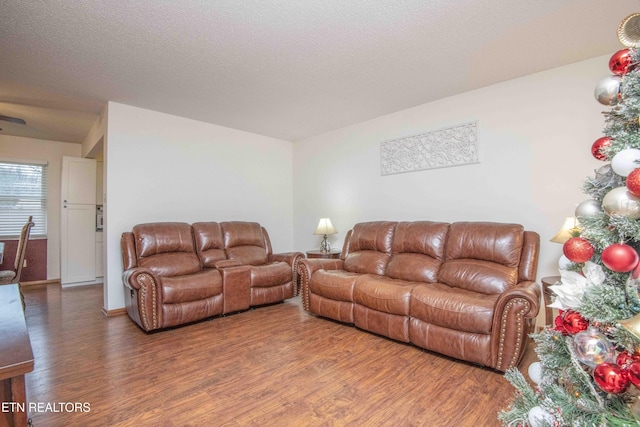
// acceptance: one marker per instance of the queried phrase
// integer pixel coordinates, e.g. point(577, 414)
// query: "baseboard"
point(41, 282)
point(98, 281)
point(116, 312)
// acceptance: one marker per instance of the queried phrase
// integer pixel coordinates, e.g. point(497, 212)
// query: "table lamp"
point(325, 227)
point(568, 230)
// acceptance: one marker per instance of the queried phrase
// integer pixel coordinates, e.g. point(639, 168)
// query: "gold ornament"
point(632, 325)
point(629, 30)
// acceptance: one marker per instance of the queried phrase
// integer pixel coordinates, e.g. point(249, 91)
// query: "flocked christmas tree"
point(588, 373)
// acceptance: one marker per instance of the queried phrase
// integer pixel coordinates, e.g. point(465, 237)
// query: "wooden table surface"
point(16, 355)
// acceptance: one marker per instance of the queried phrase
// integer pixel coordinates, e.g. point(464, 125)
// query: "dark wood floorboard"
point(272, 366)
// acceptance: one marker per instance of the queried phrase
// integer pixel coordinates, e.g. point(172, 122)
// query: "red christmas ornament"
point(559, 324)
point(620, 62)
point(611, 378)
point(620, 258)
point(634, 373)
point(578, 249)
point(633, 182)
point(625, 359)
point(636, 272)
point(573, 322)
point(597, 149)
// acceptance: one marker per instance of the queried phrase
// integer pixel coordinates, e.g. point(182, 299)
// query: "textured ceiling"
point(289, 69)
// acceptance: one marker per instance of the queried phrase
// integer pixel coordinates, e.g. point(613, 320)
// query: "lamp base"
point(325, 247)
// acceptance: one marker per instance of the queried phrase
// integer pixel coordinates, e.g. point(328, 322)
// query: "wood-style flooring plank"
point(271, 366)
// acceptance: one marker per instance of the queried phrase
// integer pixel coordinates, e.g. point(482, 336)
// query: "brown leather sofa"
point(176, 273)
point(466, 290)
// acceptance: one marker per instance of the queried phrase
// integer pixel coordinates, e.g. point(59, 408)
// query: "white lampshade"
point(568, 230)
point(325, 227)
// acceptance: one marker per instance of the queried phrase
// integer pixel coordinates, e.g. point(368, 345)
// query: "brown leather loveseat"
point(176, 273)
point(466, 290)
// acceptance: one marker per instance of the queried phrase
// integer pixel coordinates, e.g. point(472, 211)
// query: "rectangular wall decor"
point(452, 146)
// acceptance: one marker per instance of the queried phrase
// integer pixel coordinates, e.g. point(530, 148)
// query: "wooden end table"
point(548, 296)
point(320, 254)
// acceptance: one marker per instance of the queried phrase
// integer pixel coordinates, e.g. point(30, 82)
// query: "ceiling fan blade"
point(12, 120)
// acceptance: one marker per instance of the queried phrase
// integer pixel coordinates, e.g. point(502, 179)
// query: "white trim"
point(25, 161)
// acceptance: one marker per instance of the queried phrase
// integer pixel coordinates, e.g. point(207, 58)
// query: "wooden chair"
point(13, 276)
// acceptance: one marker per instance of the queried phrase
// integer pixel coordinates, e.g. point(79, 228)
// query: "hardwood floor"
point(272, 366)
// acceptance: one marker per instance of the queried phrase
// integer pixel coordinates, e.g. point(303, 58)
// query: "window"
point(23, 193)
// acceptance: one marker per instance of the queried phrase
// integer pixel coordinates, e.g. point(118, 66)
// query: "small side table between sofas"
point(548, 297)
point(320, 254)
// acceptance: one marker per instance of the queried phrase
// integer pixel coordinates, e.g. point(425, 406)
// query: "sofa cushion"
point(171, 264)
point(370, 247)
point(209, 243)
point(421, 237)
point(418, 251)
point(273, 274)
point(383, 294)
point(333, 284)
point(166, 248)
point(482, 257)
point(192, 287)
point(453, 308)
point(364, 262)
point(478, 276)
point(499, 243)
point(244, 242)
point(413, 267)
point(162, 237)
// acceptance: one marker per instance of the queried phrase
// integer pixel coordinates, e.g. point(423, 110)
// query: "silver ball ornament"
point(620, 201)
point(607, 90)
point(588, 208)
point(602, 171)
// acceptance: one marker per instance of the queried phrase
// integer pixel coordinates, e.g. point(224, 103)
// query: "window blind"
point(23, 193)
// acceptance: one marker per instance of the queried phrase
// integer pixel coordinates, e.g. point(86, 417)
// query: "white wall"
point(535, 137)
point(93, 143)
point(166, 168)
point(51, 152)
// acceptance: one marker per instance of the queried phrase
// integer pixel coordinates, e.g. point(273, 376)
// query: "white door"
point(78, 238)
point(78, 221)
point(78, 180)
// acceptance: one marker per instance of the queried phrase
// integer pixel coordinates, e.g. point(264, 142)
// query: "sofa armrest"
point(290, 258)
point(144, 298)
point(236, 287)
point(515, 311)
point(305, 269)
point(226, 263)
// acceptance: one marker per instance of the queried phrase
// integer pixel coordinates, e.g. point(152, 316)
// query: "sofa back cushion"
point(482, 256)
point(209, 242)
point(370, 247)
point(417, 251)
point(167, 248)
point(244, 242)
